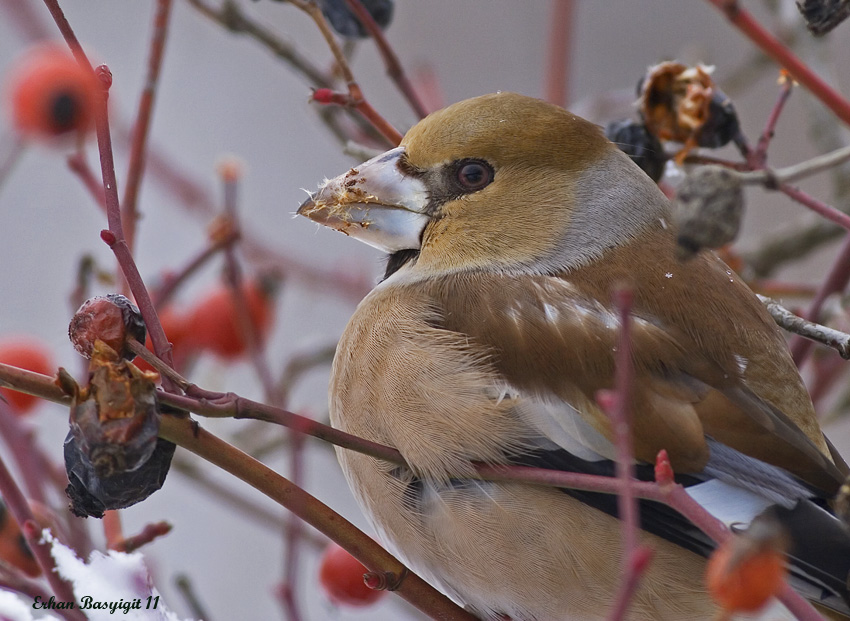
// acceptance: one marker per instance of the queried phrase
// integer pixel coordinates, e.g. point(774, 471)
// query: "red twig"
point(620, 414)
point(637, 564)
point(827, 211)
point(558, 61)
point(774, 48)
point(354, 99)
point(758, 157)
point(138, 146)
point(836, 280)
point(148, 534)
point(293, 532)
point(112, 529)
point(394, 68)
point(80, 166)
point(114, 236)
point(68, 33)
point(172, 281)
point(20, 510)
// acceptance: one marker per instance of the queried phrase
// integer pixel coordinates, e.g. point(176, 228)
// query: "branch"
point(774, 48)
point(787, 320)
point(390, 58)
point(138, 147)
point(558, 55)
point(412, 588)
point(20, 510)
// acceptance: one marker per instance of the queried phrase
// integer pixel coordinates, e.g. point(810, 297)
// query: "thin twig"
point(774, 48)
point(138, 147)
point(558, 55)
point(233, 18)
point(145, 536)
point(184, 586)
point(790, 174)
point(80, 166)
point(355, 95)
point(114, 236)
point(637, 564)
point(171, 283)
point(758, 157)
point(390, 58)
point(22, 514)
point(839, 341)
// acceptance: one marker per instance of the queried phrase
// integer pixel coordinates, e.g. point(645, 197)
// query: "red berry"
point(26, 353)
point(341, 575)
point(214, 321)
point(51, 94)
point(743, 582)
point(176, 328)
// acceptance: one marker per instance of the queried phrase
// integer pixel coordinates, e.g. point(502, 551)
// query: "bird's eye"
point(473, 175)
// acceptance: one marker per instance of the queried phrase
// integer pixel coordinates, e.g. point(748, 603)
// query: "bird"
point(508, 222)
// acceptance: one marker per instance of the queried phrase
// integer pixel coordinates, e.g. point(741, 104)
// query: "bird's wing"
point(546, 338)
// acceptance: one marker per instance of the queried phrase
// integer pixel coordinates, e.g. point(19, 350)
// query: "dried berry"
point(112, 319)
point(91, 495)
point(708, 208)
point(823, 15)
point(682, 104)
point(642, 147)
point(344, 21)
point(51, 94)
point(112, 454)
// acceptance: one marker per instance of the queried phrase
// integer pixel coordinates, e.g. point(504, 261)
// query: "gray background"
point(225, 95)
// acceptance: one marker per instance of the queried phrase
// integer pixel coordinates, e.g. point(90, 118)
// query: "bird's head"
point(501, 181)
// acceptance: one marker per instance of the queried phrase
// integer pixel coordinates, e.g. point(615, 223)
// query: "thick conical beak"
point(375, 202)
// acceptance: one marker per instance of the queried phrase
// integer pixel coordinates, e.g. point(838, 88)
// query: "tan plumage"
point(511, 221)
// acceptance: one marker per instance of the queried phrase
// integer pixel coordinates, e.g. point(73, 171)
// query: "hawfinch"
point(508, 222)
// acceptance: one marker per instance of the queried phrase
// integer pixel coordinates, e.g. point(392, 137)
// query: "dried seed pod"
point(111, 318)
point(642, 147)
point(823, 15)
point(708, 208)
point(682, 104)
point(111, 449)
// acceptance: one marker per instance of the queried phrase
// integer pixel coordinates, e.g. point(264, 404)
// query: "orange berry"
point(743, 580)
point(51, 94)
point(341, 575)
point(175, 326)
point(26, 353)
point(214, 321)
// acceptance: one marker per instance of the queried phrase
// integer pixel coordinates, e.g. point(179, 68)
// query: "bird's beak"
point(375, 202)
